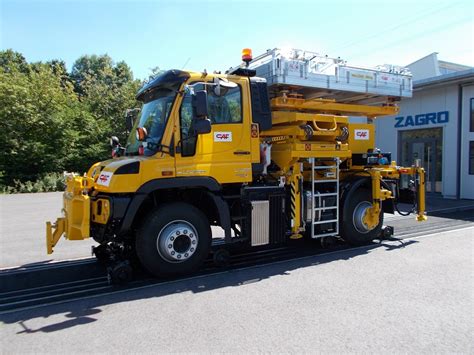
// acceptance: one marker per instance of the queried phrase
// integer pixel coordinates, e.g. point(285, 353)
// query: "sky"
point(210, 34)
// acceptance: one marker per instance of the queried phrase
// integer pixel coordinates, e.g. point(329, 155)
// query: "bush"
point(46, 183)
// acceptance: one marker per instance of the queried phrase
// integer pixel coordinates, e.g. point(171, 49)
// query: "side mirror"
point(130, 116)
point(129, 122)
point(201, 126)
point(221, 86)
point(199, 103)
point(114, 142)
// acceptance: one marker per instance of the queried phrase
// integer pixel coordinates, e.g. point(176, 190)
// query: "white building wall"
point(467, 181)
point(426, 101)
point(426, 67)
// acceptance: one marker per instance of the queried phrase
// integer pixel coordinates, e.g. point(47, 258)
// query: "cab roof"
point(167, 79)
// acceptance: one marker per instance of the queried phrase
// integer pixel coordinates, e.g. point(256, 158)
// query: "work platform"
point(315, 76)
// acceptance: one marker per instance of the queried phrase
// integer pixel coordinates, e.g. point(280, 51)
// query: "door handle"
point(241, 152)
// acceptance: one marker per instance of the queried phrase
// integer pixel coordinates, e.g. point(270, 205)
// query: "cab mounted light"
point(247, 56)
point(141, 133)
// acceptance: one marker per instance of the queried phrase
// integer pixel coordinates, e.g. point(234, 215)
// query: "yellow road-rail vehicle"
point(267, 152)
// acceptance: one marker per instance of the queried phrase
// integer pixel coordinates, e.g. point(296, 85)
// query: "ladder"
point(318, 207)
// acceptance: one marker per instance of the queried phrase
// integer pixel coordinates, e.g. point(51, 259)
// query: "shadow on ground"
point(86, 310)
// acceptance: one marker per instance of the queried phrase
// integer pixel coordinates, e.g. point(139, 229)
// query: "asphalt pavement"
point(410, 296)
point(23, 229)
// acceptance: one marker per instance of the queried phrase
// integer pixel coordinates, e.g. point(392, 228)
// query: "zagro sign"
point(422, 119)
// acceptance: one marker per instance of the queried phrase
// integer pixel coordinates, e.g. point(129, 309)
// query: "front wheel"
point(175, 239)
point(356, 228)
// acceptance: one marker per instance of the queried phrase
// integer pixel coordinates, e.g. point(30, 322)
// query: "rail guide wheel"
point(120, 273)
point(221, 257)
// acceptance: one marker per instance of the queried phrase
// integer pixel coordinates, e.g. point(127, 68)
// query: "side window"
point(225, 108)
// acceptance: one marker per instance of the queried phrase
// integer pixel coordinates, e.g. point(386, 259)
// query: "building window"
point(426, 145)
point(471, 158)
point(472, 116)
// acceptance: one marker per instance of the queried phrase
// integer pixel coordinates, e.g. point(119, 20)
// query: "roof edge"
point(456, 76)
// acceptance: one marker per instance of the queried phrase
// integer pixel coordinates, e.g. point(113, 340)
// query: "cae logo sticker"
point(222, 136)
point(104, 178)
point(361, 134)
point(422, 119)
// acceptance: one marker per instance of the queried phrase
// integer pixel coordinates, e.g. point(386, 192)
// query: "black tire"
point(180, 222)
point(350, 231)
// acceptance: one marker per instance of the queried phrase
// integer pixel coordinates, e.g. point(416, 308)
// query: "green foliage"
point(52, 120)
point(47, 183)
point(107, 89)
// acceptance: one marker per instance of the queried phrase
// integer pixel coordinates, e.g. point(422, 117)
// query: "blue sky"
point(211, 34)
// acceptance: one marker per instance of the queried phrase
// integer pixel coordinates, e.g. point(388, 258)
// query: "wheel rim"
point(177, 241)
point(358, 217)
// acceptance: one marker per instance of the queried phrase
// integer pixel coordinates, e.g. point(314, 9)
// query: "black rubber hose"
point(395, 204)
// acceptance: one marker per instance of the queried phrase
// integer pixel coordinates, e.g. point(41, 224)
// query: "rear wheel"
point(175, 239)
point(356, 228)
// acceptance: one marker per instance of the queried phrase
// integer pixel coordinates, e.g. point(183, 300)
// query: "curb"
point(452, 209)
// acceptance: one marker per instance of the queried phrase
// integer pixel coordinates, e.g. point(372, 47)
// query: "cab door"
point(225, 152)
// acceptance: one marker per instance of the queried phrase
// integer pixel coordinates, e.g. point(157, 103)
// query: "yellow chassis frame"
point(379, 193)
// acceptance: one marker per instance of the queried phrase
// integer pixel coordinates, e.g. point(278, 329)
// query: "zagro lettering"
point(422, 119)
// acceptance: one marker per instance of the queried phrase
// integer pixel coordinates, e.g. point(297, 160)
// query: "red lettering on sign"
point(103, 178)
point(222, 136)
point(361, 134)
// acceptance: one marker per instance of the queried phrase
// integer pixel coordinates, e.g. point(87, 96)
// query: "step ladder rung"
point(328, 221)
point(324, 235)
point(325, 208)
point(326, 194)
point(316, 211)
point(320, 167)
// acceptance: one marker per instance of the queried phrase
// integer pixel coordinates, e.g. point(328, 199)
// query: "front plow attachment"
point(75, 225)
point(53, 233)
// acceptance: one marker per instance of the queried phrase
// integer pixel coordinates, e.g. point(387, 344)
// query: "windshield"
point(153, 117)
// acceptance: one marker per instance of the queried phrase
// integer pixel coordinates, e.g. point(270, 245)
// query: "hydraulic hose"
point(395, 204)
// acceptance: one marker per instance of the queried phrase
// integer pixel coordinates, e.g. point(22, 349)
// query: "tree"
point(43, 125)
point(13, 61)
point(52, 120)
point(108, 89)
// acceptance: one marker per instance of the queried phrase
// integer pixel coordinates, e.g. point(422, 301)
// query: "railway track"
point(24, 288)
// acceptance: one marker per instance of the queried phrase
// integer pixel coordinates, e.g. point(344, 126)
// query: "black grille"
point(277, 218)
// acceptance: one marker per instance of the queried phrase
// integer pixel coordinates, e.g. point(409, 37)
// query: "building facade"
point(436, 126)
